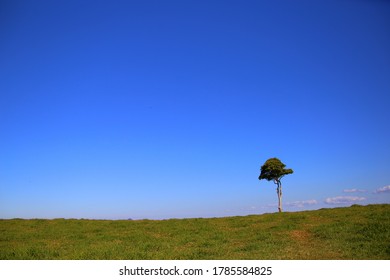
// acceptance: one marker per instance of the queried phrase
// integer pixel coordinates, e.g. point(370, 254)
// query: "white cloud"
point(301, 203)
point(272, 205)
point(383, 189)
point(353, 190)
point(343, 199)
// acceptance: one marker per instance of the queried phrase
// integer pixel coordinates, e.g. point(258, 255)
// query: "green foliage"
point(274, 169)
point(339, 233)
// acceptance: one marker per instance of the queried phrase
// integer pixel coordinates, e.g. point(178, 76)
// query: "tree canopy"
point(274, 169)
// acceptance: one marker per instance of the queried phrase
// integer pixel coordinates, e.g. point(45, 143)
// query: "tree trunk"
point(279, 191)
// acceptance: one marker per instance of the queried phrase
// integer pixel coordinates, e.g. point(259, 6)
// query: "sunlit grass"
point(357, 232)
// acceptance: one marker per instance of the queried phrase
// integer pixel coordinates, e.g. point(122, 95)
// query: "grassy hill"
point(356, 232)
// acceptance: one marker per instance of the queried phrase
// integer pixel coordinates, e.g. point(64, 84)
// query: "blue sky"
point(167, 109)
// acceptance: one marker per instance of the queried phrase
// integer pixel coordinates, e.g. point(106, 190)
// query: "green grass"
point(357, 232)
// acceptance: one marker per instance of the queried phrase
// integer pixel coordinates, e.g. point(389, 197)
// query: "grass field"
point(356, 232)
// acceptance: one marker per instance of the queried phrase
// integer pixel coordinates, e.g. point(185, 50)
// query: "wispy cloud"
point(301, 203)
point(343, 199)
point(353, 190)
point(272, 205)
point(383, 189)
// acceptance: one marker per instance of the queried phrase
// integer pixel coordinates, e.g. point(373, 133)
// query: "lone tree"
point(273, 170)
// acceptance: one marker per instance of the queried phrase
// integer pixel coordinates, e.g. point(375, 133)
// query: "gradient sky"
point(167, 109)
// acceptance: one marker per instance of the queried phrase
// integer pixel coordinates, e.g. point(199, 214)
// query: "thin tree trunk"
point(279, 191)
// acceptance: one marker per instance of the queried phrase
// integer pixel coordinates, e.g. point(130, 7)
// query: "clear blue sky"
point(167, 109)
